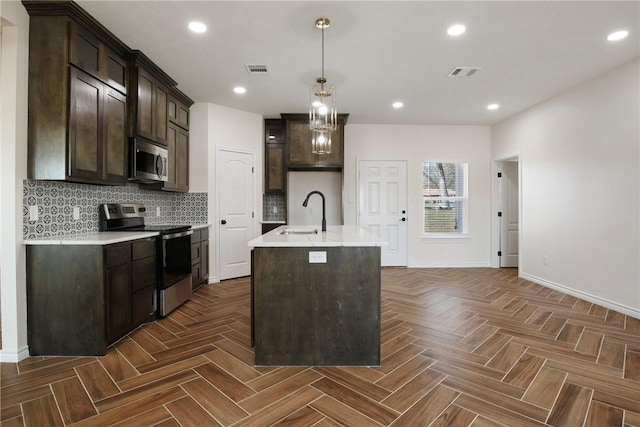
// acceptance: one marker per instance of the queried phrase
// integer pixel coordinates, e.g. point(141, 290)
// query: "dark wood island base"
point(316, 314)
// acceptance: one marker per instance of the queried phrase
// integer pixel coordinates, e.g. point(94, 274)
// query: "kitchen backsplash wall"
point(55, 202)
point(271, 201)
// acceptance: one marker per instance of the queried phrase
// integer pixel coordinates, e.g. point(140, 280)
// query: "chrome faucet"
point(324, 218)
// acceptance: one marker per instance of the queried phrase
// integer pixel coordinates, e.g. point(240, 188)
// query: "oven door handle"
point(176, 235)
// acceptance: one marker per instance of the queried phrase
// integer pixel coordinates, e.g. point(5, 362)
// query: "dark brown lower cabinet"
point(199, 257)
point(83, 298)
point(312, 314)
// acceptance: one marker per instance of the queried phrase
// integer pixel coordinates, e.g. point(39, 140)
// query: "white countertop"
point(336, 235)
point(99, 237)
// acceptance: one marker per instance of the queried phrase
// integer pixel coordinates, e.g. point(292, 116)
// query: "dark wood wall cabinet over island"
point(316, 298)
point(89, 94)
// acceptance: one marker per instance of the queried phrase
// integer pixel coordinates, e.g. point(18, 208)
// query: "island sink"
point(298, 231)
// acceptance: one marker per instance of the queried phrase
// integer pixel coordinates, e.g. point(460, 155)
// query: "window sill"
point(464, 237)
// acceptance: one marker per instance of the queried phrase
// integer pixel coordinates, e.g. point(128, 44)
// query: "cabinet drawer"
point(144, 273)
point(144, 248)
point(117, 254)
point(195, 253)
point(204, 234)
point(196, 237)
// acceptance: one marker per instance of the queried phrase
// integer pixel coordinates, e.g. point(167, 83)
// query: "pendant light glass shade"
point(321, 142)
point(323, 115)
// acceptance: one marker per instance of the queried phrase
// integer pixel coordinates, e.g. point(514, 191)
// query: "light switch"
point(317, 257)
point(76, 213)
point(157, 210)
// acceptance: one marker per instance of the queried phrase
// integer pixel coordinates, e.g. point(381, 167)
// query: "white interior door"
point(382, 206)
point(509, 223)
point(235, 194)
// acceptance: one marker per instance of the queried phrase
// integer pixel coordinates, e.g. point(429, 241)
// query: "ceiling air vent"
point(257, 69)
point(464, 71)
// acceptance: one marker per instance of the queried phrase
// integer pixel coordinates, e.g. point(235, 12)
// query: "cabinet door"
point(119, 301)
point(115, 136)
point(182, 160)
point(84, 50)
point(172, 137)
point(85, 136)
point(144, 122)
point(204, 259)
point(178, 113)
point(160, 112)
point(114, 70)
point(275, 169)
point(144, 305)
point(178, 152)
point(299, 138)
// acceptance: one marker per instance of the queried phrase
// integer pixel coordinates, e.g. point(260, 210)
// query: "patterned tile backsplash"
point(55, 202)
point(271, 201)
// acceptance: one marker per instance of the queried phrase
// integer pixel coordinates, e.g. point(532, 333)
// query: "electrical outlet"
point(317, 257)
point(33, 213)
point(76, 213)
point(157, 210)
point(545, 259)
point(274, 209)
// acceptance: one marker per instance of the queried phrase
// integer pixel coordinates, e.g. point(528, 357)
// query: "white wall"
point(13, 165)
point(214, 127)
point(580, 188)
point(470, 144)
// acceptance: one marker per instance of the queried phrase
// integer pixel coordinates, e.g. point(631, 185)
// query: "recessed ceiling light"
point(618, 35)
point(493, 106)
point(197, 27)
point(456, 30)
point(240, 89)
point(397, 104)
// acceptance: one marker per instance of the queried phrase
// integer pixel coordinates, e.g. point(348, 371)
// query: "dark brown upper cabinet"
point(298, 145)
point(77, 108)
point(177, 143)
point(149, 100)
point(88, 53)
point(274, 149)
point(179, 109)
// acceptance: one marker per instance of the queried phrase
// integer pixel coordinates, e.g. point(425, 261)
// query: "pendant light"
point(322, 112)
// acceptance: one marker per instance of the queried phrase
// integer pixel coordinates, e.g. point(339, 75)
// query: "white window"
point(444, 191)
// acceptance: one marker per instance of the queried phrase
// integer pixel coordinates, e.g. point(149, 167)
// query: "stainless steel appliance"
point(148, 162)
point(173, 247)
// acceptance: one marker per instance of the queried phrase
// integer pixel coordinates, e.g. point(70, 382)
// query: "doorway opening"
point(508, 212)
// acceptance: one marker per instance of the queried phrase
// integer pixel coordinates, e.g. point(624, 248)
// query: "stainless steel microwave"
point(148, 162)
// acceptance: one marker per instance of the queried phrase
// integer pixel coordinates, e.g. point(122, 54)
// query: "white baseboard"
point(450, 265)
point(629, 311)
point(13, 356)
point(213, 280)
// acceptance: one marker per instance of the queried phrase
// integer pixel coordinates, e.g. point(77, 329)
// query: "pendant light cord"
point(323, 51)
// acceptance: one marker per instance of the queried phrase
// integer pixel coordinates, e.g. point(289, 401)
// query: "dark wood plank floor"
point(460, 347)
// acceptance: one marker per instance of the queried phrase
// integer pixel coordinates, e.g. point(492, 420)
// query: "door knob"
point(403, 219)
point(223, 222)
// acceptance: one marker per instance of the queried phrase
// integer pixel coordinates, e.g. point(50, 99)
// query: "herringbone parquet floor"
point(460, 347)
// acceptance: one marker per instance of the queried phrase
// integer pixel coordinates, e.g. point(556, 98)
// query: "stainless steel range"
point(173, 247)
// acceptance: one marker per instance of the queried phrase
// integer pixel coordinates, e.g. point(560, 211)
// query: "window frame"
point(464, 202)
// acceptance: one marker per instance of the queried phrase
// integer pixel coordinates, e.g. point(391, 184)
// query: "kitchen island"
point(316, 297)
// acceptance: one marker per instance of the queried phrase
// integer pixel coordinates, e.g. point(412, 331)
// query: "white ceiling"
point(377, 52)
